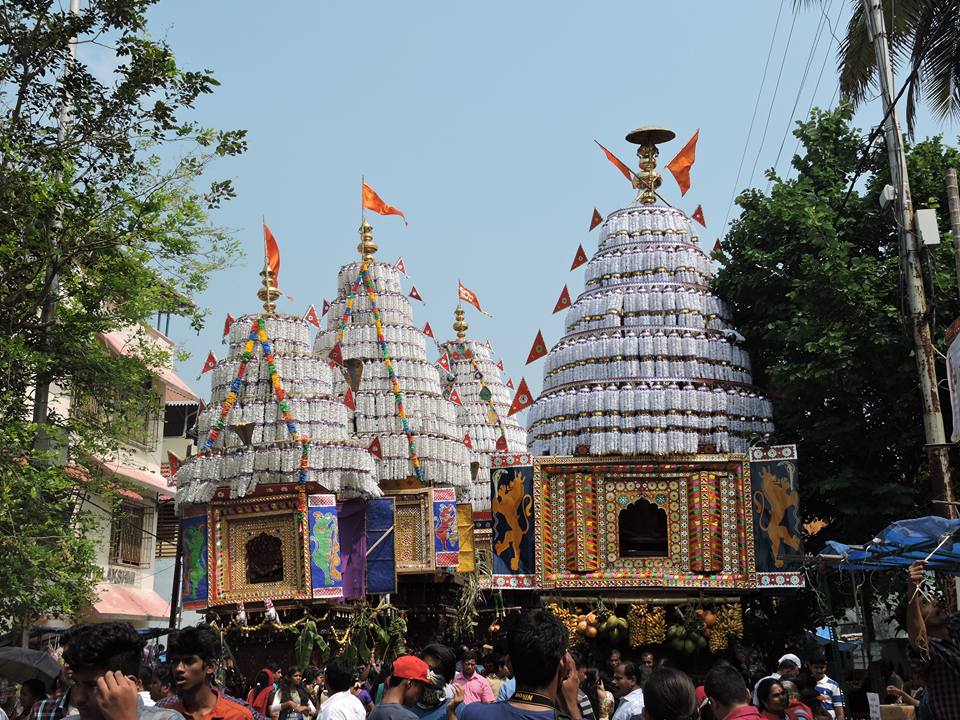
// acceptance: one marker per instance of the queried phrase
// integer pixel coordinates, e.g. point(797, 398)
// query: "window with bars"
point(167, 527)
point(131, 536)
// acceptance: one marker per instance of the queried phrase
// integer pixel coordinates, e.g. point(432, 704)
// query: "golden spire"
point(460, 325)
point(648, 179)
point(269, 293)
point(367, 246)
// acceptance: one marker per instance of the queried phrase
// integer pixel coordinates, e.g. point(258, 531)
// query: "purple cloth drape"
point(352, 516)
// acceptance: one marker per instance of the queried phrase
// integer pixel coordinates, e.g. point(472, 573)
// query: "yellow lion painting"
point(513, 504)
point(777, 496)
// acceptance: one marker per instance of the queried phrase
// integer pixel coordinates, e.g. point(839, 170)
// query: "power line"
point(753, 117)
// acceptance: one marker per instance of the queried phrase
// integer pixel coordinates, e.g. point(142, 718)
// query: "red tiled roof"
point(145, 477)
point(116, 343)
point(127, 602)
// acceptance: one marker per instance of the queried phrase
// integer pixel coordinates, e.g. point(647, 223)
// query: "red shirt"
point(223, 709)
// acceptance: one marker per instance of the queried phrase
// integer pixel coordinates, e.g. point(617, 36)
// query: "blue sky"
point(478, 120)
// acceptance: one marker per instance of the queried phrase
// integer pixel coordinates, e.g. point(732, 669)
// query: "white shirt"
point(630, 705)
point(342, 706)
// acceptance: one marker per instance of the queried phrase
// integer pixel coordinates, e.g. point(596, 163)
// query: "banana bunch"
point(647, 625)
point(729, 623)
point(568, 618)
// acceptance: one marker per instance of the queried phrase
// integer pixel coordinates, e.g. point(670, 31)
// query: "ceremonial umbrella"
point(22, 664)
point(933, 539)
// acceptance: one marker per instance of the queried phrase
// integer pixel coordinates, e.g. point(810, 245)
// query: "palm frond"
point(856, 58)
point(936, 57)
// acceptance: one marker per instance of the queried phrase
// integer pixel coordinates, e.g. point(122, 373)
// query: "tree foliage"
point(108, 218)
point(812, 272)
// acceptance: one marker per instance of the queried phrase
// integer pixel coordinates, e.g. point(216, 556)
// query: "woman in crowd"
point(773, 699)
point(607, 701)
point(262, 690)
point(591, 688)
point(669, 695)
point(291, 701)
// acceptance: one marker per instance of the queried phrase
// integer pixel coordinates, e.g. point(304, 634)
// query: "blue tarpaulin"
point(902, 543)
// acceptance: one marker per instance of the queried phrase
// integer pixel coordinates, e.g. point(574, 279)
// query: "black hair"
point(36, 688)
point(725, 685)
point(105, 646)
point(263, 678)
point(274, 667)
point(817, 658)
point(538, 641)
point(200, 640)
point(591, 690)
point(631, 670)
point(146, 676)
point(669, 695)
point(340, 675)
point(470, 655)
point(287, 685)
point(393, 681)
point(446, 660)
point(163, 675)
point(764, 688)
point(310, 674)
point(579, 658)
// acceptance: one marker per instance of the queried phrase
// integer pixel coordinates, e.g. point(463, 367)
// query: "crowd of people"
point(533, 675)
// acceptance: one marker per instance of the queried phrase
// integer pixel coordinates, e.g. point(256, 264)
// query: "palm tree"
point(924, 34)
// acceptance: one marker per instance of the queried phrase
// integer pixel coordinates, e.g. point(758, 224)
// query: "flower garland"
point(258, 332)
point(472, 357)
point(364, 278)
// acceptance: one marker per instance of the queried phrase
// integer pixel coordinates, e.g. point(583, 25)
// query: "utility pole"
point(911, 269)
point(953, 200)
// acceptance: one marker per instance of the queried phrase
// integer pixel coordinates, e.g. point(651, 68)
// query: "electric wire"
point(753, 117)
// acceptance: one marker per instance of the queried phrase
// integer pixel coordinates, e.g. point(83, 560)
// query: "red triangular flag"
point(627, 172)
point(455, 397)
point(444, 362)
point(467, 441)
point(210, 363)
point(372, 201)
point(336, 355)
point(348, 400)
point(414, 294)
point(510, 383)
point(311, 316)
point(522, 399)
point(681, 164)
point(174, 462)
point(374, 448)
point(716, 248)
point(538, 350)
point(326, 308)
point(272, 251)
point(579, 259)
point(595, 220)
point(698, 215)
point(502, 444)
point(500, 365)
point(400, 266)
point(427, 330)
point(227, 323)
point(563, 302)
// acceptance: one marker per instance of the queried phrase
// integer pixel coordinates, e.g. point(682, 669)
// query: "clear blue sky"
point(478, 120)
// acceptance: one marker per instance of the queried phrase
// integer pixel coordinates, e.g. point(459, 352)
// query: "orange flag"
point(539, 348)
point(463, 293)
point(596, 219)
point(522, 399)
point(372, 201)
point(698, 215)
point(564, 302)
point(272, 251)
point(579, 259)
point(681, 164)
point(627, 172)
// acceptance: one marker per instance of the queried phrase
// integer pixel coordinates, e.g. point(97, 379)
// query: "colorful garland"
point(258, 332)
point(364, 277)
point(472, 357)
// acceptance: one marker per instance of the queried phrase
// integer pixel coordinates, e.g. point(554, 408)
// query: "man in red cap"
point(405, 686)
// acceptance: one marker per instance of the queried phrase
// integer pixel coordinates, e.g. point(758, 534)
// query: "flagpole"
point(363, 208)
point(263, 221)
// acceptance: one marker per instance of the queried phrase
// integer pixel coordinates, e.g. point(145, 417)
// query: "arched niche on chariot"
point(642, 530)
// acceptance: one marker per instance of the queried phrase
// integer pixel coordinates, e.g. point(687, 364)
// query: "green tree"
point(112, 210)
point(811, 270)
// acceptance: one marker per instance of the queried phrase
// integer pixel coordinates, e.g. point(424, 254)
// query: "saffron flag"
point(227, 323)
point(698, 215)
point(414, 294)
point(510, 383)
point(455, 397)
point(467, 441)
point(374, 448)
point(427, 330)
point(681, 164)
point(311, 316)
point(372, 201)
point(348, 399)
point(467, 296)
point(500, 365)
point(272, 251)
point(210, 364)
point(444, 362)
point(595, 220)
point(627, 172)
point(502, 443)
point(400, 266)
point(174, 462)
point(579, 259)
point(539, 348)
point(336, 355)
point(326, 308)
point(563, 302)
point(522, 399)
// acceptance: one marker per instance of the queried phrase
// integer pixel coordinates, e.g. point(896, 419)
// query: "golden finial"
point(269, 293)
point(460, 325)
point(367, 246)
point(648, 179)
